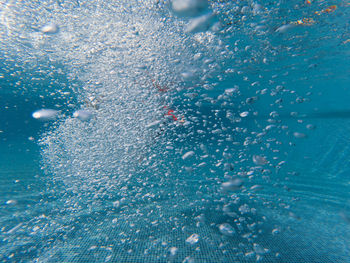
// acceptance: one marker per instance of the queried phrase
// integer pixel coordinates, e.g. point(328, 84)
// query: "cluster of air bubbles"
point(169, 125)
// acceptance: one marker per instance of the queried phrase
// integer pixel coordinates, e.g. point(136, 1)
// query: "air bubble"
point(232, 185)
point(259, 160)
point(173, 251)
point(49, 29)
point(82, 115)
point(299, 135)
point(11, 202)
point(275, 231)
point(256, 187)
point(189, 7)
point(244, 114)
point(227, 230)
point(200, 24)
point(188, 155)
point(45, 114)
point(284, 28)
point(193, 239)
point(153, 124)
point(310, 126)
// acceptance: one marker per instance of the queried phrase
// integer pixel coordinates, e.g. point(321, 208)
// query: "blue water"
point(224, 140)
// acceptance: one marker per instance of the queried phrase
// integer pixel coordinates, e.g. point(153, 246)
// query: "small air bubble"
point(232, 185)
point(173, 251)
point(284, 28)
point(193, 239)
point(275, 231)
point(310, 126)
point(244, 114)
point(259, 160)
point(188, 155)
point(49, 29)
point(11, 202)
point(227, 230)
point(299, 135)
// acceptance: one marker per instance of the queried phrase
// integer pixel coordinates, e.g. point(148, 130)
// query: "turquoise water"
point(216, 132)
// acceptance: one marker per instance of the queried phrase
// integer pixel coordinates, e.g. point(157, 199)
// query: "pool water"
point(174, 131)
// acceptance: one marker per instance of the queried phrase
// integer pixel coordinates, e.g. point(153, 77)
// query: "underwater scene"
point(175, 131)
